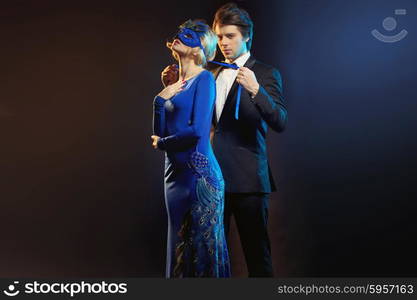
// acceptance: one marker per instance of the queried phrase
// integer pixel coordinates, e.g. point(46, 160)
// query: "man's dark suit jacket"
point(240, 145)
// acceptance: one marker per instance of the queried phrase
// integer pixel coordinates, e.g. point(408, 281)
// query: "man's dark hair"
point(231, 14)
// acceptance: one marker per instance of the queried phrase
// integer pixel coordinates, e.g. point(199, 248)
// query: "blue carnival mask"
point(191, 36)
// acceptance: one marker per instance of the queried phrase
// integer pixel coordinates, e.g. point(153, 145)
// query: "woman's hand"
point(172, 90)
point(169, 75)
point(155, 140)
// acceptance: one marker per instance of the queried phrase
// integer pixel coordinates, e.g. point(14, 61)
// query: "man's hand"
point(155, 140)
point(169, 75)
point(247, 79)
point(171, 90)
point(212, 133)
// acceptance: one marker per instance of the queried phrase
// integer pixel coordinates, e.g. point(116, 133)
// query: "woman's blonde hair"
point(207, 37)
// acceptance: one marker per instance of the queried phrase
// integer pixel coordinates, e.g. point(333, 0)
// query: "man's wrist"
point(255, 91)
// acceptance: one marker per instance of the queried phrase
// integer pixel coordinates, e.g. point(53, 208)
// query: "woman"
point(194, 186)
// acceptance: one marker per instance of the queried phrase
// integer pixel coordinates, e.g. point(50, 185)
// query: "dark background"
point(82, 188)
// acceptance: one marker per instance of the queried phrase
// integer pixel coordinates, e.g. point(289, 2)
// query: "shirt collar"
point(241, 60)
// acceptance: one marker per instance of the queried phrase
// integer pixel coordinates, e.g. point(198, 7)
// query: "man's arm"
point(270, 102)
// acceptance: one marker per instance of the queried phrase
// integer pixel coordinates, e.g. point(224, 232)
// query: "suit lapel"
point(250, 62)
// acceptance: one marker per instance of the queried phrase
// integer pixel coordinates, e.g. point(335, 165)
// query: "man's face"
point(231, 42)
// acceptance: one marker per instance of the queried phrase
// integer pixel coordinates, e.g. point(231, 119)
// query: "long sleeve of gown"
point(158, 116)
point(203, 103)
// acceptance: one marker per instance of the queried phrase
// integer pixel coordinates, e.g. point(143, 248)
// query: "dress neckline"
point(188, 83)
point(195, 76)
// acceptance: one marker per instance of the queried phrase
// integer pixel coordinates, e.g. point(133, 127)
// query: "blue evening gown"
point(194, 186)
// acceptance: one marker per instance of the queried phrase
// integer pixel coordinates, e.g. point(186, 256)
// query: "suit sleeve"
point(158, 116)
point(203, 104)
point(270, 102)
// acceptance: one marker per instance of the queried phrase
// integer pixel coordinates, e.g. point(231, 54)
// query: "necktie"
point(239, 87)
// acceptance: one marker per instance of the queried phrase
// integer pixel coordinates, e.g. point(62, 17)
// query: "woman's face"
point(186, 43)
point(181, 49)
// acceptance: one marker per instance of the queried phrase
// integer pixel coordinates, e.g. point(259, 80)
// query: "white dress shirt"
point(225, 81)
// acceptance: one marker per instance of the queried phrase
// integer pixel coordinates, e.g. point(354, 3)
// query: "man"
point(239, 130)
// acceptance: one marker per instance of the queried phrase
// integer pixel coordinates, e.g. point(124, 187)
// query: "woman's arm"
point(203, 104)
point(159, 109)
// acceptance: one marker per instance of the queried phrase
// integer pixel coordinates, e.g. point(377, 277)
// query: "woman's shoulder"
point(206, 76)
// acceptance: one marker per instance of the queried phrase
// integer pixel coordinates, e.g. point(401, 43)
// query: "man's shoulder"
point(262, 66)
point(266, 71)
